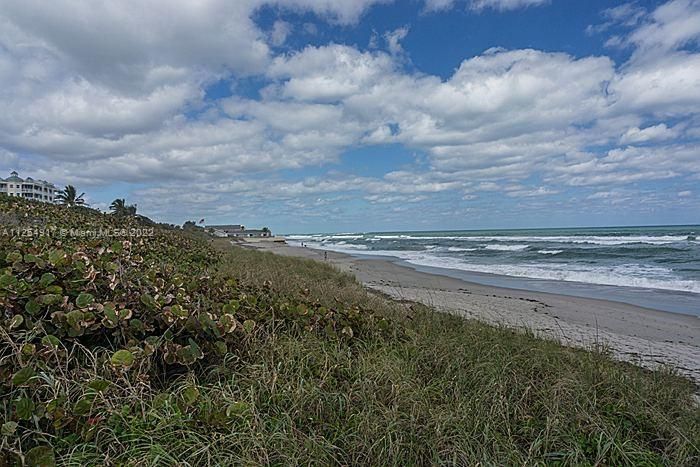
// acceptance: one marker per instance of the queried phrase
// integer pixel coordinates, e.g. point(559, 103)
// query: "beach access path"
point(642, 336)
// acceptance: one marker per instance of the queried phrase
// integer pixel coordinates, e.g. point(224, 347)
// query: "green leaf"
point(117, 247)
point(16, 321)
point(231, 306)
point(51, 341)
point(32, 307)
point(190, 395)
point(136, 325)
point(56, 256)
point(178, 311)
point(82, 407)
point(237, 408)
point(228, 322)
point(110, 313)
point(29, 258)
point(161, 400)
point(122, 359)
point(124, 314)
point(24, 408)
point(189, 353)
point(40, 456)
point(99, 385)
point(249, 325)
point(8, 428)
point(221, 348)
point(23, 376)
point(47, 279)
point(7, 280)
point(55, 289)
point(148, 300)
point(383, 324)
point(74, 318)
point(84, 300)
point(14, 256)
point(49, 299)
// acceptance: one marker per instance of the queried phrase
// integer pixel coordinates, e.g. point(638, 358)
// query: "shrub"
point(83, 311)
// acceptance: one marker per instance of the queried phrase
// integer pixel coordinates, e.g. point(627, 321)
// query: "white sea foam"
point(625, 275)
point(606, 240)
point(457, 249)
point(549, 252)
point(506, 247)
point(346, 245)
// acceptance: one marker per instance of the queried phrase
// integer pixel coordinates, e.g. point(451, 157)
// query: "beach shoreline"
point(643, 336)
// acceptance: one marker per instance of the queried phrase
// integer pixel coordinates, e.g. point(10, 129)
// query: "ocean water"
point(657, 267)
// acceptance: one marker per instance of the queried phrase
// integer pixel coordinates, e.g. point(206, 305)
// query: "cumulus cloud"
point(671, 25)
point(658, 132)
point(112, 93)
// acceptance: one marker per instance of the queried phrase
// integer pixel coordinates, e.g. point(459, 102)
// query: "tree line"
point(69, 197)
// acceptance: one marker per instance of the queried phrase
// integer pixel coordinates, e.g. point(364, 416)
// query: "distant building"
point(39, 190)
point(238, 231)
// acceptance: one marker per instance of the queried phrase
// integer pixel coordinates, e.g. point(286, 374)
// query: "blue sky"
point(357, 115)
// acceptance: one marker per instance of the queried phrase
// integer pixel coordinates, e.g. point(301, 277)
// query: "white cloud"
point(631, 164)
point(344, 12)
point(113, 93)
point(503, 5)
point(500, 5)
point(671, 25)
point(280, 31)
point(127, 45)
point(394, 38)
point(666, 86)
point(658, 132)
point(331, 73)
point(523, 192)
point(439, 5)
point(685, 194)
point(626, 14)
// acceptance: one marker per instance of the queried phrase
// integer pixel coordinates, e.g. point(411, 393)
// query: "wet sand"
point(643, 336)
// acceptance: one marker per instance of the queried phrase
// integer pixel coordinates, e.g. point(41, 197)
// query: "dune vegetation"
point(123, 342)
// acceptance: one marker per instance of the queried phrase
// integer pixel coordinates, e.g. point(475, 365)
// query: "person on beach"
point(325, 256)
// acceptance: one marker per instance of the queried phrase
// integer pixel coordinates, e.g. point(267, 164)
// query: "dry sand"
point(639, 335)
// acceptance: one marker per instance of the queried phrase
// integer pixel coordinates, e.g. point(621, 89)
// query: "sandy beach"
point(646, 337)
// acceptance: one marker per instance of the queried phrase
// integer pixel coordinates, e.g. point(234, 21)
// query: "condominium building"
point(39, 190)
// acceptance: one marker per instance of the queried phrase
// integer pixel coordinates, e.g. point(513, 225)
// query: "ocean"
point(657, 267)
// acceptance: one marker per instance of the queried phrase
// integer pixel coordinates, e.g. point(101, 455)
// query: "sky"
point(360, 115)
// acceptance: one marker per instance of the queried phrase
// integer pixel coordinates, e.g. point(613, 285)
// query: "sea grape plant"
point(97, 307)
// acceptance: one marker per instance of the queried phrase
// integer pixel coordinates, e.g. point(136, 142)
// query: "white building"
point(238, 231)
point(28, 188)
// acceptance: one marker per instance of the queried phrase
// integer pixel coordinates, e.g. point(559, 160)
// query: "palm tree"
point(69, 197)
point(120, 208)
